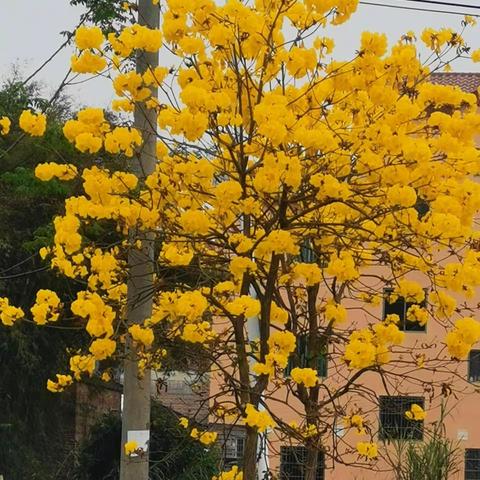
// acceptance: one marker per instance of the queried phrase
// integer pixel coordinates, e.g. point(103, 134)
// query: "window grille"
point(301, 359)
point(472, 464)
point(474, 366)
point(400, 307)
point(292, 463)
point(394, 425)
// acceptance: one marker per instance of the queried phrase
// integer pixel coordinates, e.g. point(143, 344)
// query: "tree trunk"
point(250, 455)
point(311, 463)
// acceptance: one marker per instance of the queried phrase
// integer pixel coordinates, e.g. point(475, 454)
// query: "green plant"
point(435, 458)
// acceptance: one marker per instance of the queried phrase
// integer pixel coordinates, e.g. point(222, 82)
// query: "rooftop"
point(467, 81)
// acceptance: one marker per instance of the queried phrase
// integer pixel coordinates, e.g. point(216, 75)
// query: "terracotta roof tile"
point(469, 82)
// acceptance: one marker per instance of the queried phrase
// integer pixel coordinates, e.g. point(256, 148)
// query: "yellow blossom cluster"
point(233, 474)
point(367, 449)
point(5, 124)
point(306, 376)
point(463, 337)
point(63, 381)
point(87, 40)
point(130, 447)
point(80, 364)
point(280, 345)
point(135, 37)
point(47, 171)
point(34, 124)
point(206, 438)
point(416, 412)
point(102, 348)
point(8, 313)
point(261, 420)
point(46, 307)
point(370, 346)
point(141, 335)
point(356, 421)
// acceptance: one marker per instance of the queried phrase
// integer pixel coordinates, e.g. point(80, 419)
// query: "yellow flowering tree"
point(293, 188)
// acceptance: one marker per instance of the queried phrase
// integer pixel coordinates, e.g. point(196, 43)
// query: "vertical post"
point(253, 331)
point(136, 390)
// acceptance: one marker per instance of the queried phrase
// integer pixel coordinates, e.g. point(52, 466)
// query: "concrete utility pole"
point(136, 391)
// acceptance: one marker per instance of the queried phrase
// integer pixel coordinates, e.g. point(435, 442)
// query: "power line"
point(417, 9)
point(446, 4)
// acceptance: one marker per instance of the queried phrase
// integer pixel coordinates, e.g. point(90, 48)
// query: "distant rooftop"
point(469, 82)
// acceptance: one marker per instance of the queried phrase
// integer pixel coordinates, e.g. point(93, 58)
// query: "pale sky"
point(30, 33)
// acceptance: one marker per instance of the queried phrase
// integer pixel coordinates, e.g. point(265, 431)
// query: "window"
point(301, 358)
point(394, 425)
point(308, 255)
point(400, 307)
point(233, 449)
point(422, 207)
point(472, 464)
point(292, 464)
point(474, 366)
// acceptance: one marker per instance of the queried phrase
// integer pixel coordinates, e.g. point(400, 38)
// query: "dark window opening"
point(422, 207)
point(394, 425)
point(400, 307)
point(472, 464)
point(301, 358)
point(292, 463)
point(474, 366)
point(233, 450)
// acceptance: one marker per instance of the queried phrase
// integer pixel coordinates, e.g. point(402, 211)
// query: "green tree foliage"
point(30, 436)
point(104, 13)
point(173, 454)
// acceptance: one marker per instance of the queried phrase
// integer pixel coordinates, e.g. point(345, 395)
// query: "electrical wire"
point(446, 4)
point(417, 9)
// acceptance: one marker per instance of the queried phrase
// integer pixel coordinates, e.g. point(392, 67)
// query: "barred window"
point(400, 307)
point(472, 464)
point(393, 422)
point(301, 359)
point(292, 463)
point(233, 450)
point(474, 366)
point(308, 254)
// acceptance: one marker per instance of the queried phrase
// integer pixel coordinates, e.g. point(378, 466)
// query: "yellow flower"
point(5, 124)
point(47, 171)
point(335, 312)
point(46, 307)
point(261, 420)
point(355, 421)
point(367, 449)
point(310, 272)
point(342, 267)
point(34, 124)
point(476, 56)
point(142, 335)
point(183, 422)
point(244, 305)
point(416, 412)
point(62, 382)
point(123, 140)
point(130, 447)
point(87, 62)
point(461, 340)
point(102, 348)
point(305, 376)
point(233, 474)
point(80, 364)
point(88, 37)
point(8, 313)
